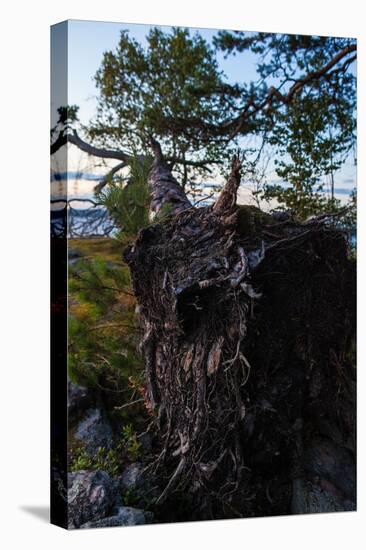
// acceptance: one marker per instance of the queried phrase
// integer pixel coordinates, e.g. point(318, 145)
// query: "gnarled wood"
point(226, 201)
point(165, 190)
point(247, 324)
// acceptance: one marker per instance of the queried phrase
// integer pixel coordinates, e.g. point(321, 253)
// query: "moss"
point(251, 220)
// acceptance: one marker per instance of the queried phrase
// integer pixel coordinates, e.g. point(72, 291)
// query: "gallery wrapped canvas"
point(203, 235)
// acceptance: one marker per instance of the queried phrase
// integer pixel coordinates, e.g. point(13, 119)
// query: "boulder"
point(331, 462)
point(91, 496)
point(132, 477)
point(318, 497)
point(136, 481)
point(94, 431)
point(123, 516)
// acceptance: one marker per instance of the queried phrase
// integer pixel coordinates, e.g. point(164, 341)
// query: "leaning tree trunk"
point(248, 325)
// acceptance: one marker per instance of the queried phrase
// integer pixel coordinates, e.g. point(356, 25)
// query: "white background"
point(24, 256)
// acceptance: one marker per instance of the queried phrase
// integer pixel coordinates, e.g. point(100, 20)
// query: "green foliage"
point(127, 202)
point(109, 461)
point(164, 212)
point(102, 332)
point(349, 218)
point(113, 460)
point(97, 282)
point(132, 497)
point(347, 222)
point(311, 142)
point(170, 90)
point(301, 200)
point(250, 220)
point(132, 445)
point(311, 135)
point(174, 90)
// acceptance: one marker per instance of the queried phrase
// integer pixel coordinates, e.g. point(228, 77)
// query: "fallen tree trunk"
point(248, 332)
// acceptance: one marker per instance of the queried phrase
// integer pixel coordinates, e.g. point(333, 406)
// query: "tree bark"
point(248, 330)
point(165, 190)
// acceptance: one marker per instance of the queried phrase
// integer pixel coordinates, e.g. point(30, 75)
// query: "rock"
point(124, 516)
point(330, 479)
point(88, 422)
point(91, 496)
point(310, 498)
point(94, 431)
point(79, 399)
point(73, 254)
point(141, 484)
point(334, 463)
point(145, 441)
point(132, 476)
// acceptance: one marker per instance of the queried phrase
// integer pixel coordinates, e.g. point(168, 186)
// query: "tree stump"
point(248, 331)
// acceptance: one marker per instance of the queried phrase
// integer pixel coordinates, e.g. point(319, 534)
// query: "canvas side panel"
point(59, 67)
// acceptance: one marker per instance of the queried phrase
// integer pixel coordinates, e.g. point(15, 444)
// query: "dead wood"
point(248, 332)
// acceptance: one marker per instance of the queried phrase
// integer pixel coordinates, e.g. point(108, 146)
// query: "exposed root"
point(243, 333)
point(187, 276)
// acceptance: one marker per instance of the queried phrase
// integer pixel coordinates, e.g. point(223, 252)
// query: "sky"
point(88, 40)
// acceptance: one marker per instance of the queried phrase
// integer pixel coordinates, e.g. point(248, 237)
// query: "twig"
point(119, 408)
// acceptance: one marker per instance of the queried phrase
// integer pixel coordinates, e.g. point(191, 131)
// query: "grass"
point(98, 247)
